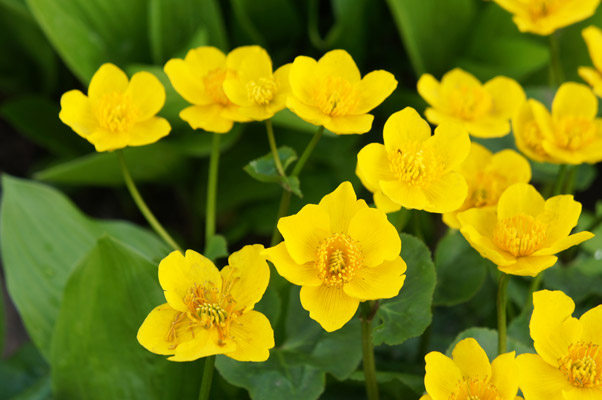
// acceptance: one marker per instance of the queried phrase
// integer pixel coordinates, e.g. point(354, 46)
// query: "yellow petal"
point(253, 336)
point(512, 6)
point(250, 62)
point(446, 193)
point(187, 82)
point(478, 157)
point(308, 113)
point(373, 166)
point(457, 78)
point(381, 282)
point(520, 198)
point(104, 140)
point(539, 380)
point(153, 331)
point(147, 94)
point(471, 359)
point(148, 131)
point(566, 243)
point(377, 237)
point(329, 306)
point(281, 76)
point(429, 88)
point(405, 126)
point(544, 120)
point(77, 113)
point(527, 134)
point(504, 375)
point(426, 397)
point(108, 79)
point(303, 232)
point(204, 343)
point(574, 99)
point(302, 78)
point(510, 165)
point(341, 205)
point(450, 143)
point(205, 59)
point(338, 63)
point(178, 274)
point(593, 39)
point(529, 265)
point(297, 274)
point(208, 118)
point(384, 203)
point(593, 78)
point(407, 196)
point(373, 89)
point(582, 393)
point(488, 127)
point(451, 219)
point(442, 375)
point(248, 274)
point(349, 124)
point(507, 96)
point(591, 321)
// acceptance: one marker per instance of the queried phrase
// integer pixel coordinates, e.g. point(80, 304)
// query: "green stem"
point(207, 378)
point(150, 217)
point(560, 178)
point(534, 287)
point(569, 184)
point(270, 129)
point(285, 202)
point(307, 152)
point(368, 350)
point(556, 73)
point(501, 313)
point(212, 190)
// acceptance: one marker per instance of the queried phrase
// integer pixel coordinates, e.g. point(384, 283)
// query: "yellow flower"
point(526, 232)
point(593, 76)
point(414, 169)
point(117, 113)
point(210, 312)
point(568, 363)
point(484, 109)
point(331, 93)
point(487, 176)
point(199, 80)
point(340, 252)
point(259, 92)
point(528, 135)
point(469, 375)
point(543, 17)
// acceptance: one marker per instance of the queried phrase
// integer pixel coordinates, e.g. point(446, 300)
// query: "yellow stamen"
point(473, 389)
point(469, 102)
point(414, 165)
point(533, 138)
point(583, 365)
point(574, 133)
point(262, 91)
point(115, 112)
point(520, 235)
point(337, 259)
point(485, 190)
point(336, 96)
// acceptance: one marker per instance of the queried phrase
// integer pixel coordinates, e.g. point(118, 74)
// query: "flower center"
point(262, 91)
point(542, 8)
point(213, 85)
point(533, 138)
point(469, 102)
point(336, 96)
point(574, 133)
point(473, 389)
point(337, 259)
point(115, 112)
point(583, 365)
point(519, 235)
point(413, 165)
point(485, 190)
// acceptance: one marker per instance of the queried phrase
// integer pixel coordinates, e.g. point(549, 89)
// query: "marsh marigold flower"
point(593, 76)
point(568, 363)
point(544, 17)
point(469, 375)
point(330, 92)
point(209, 311)
point(414, 169)
point(117, 113)
point(571, 134)
point(340, 252)
point(199, 79)
point(522, 235)
point(484, 109)
point(487, 176)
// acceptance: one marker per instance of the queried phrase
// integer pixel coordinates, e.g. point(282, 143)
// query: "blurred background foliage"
point(82, 283)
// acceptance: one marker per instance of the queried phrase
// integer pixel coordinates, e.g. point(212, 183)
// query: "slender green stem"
point(569, 184)
point(417, 224)
point(150, 217)
point(560, 178)
point(285, 202)
point(207, 378)
point(307, 152)
point(368, 350)
point(212, 190)
point(534, 287)
point(501, 313)
point(270, 129)
point(556, 73)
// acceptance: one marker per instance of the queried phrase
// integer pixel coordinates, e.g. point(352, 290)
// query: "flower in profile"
point(117, 113)
point(544, 17)
point(483, 109)
point(330, 92)
point(528, 135)
point(340, 252)
point(209, 311)
point(199, 79)
point(259, 92)
point(469, 375)
point(522, 237)
point(568, 363)
point(593, 76)
point(487, 176)
point(414, 169)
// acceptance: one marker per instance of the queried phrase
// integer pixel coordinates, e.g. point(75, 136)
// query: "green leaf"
point(579, 280)
point(409, 314)
point(95, 354)
point(22, 370)
point(487, 338)
point(2, 316)
point(287, 119)
point(460, 270)
point(216, 248)
point(547, 173)
point(42, 237)
point(402, 386)
point(40, 390)
point(264, 168)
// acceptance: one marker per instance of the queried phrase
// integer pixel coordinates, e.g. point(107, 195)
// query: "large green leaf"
point(409, 314)
point(22, 370)
point(487, 338)
point(42, 237)
point(95, 354)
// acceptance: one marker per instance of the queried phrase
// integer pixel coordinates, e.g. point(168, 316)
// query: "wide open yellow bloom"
point(568, 363)
point(469, 375)
point(199, 79)
point(487, 176)
point(340, 252)
point(330, 92)
point(259, 92)
point(209, 311)
point(522, 237)
point(117, 113)
point(593, 76)
point(484, 109)
point(414, 169)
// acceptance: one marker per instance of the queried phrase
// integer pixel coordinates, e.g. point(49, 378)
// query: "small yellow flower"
point(544, 17)
point(259, 92)
point(528, 135)
point(210, 312)
point(593, 76)
point(414, 169)
point(117, 113)
point(484, 109)
point(199, 79)
point(568, 363)
point(340, 252)
point(522, 237)
point(487, 176)
point(469, 375)
point(330, 92)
